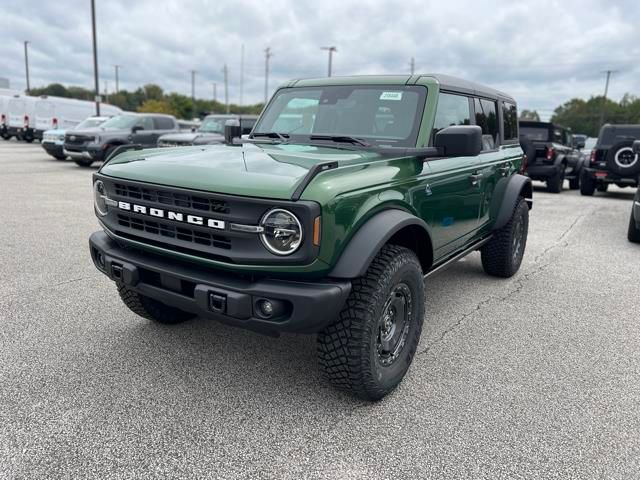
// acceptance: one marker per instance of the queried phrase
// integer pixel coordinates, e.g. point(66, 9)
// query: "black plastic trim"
point(506, 195)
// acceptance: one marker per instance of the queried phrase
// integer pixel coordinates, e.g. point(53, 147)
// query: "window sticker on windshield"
point(391, 96)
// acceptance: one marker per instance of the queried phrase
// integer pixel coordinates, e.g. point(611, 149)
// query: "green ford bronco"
point(326, 219)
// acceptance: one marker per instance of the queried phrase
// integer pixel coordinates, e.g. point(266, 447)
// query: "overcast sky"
point(543, 52)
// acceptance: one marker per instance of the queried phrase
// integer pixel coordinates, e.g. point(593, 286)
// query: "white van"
point(20, 116)
point(64, 113)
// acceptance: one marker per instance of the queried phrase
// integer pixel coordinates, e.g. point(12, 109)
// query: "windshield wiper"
point(277, 135)
point(341, 139)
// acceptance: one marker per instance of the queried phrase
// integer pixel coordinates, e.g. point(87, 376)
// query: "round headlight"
point(282, 232)
point(99, 197)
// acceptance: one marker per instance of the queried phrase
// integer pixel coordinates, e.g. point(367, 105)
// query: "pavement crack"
point(519, 284)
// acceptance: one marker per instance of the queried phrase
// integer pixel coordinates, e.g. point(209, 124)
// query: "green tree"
point(529, 115)
point(157, 106)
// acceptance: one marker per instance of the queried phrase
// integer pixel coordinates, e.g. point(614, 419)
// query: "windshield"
point(590, 143)
point(615, 134)
point(384, 115)
point(120, 122)
point(213, 124)
point(90, 123)
point(540, 134)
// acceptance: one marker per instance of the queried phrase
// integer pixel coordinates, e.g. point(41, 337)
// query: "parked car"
point(328, 226)
point(19, 118)
point(188, 125)
point(211, 131)
point(96, 144)
point(613, 160)
point(552, 154)
point(53, 140)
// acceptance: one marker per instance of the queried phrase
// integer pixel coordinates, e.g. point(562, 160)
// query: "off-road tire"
point(499, 256)
point(348, 348)
point(83, 162)
point(633, 233)
point(151, 309)
point(587, 184)
point(555, 183)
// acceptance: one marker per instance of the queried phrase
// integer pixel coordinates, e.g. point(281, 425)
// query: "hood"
point(90, 131)
point(267, 171)
point(189, 137)
point(55, 131)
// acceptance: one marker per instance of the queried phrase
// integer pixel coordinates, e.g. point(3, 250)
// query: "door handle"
point(475, 178)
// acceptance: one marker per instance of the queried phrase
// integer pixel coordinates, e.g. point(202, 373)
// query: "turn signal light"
point(551, 153)
point(593, 156)
point(316, 232)
point(26, 120)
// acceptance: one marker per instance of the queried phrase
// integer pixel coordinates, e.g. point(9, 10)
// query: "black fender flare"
point(369, 239)
point(508, 190)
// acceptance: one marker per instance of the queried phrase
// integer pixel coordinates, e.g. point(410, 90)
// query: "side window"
point(145, 122)
point(510, 121)
point(487, 119)
point(163, 123)
point(452, 110)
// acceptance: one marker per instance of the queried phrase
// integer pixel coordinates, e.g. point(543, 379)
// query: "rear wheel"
point(369, 349)
point(587, 184)
point(151, 309)
point(502, 255)
point(634, 232)
point(554, 184)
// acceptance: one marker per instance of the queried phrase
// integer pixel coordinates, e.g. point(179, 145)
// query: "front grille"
point(76, 139)
point(175, 199)
point(168, 230)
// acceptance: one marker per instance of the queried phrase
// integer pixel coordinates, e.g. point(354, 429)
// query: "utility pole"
point(193, 94)
point(330, 50)
point(267, 56)
point(106, 91)
point(225, 70)
point(606, 91)
point(95, 56)
point(117, 67)
point(215, 95)
point(26, 64)
point(241, 73)
point(412, 64)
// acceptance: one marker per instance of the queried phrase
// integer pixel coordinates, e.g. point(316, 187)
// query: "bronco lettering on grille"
point(169, 215)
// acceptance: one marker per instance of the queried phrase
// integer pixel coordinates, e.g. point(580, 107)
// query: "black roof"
point(466, 86)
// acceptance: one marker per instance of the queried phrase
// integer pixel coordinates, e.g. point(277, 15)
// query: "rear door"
point(146, 137)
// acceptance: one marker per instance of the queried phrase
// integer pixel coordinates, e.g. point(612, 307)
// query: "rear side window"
point(163, 123)
point(487, 119)
point(510, 121)
point(452, 110)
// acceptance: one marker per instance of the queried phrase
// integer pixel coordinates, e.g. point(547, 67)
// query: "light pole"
point(26, 64)
point(215, 94)
point(267, 56)
point(330, 50)
point(606, 91)
point(225, 71)
point(193, 94)
point(117, 67)
point(241, 73)
point(412, 64)
point(95, 56)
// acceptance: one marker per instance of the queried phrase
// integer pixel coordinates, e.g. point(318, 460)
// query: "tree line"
point(150, 98)
point(585, 116)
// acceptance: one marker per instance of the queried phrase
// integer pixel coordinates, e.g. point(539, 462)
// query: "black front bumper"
point(305, 307)
point(53, 149)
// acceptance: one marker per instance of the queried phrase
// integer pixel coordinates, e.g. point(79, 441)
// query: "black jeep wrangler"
point(613, 160)
point(552, 154)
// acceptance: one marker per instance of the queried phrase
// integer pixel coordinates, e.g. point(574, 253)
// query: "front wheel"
point(83, 162)
point(369, 349)
point(502, 255)
point(151, 309)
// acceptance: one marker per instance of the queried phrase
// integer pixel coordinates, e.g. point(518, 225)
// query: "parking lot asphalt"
point(537, 376)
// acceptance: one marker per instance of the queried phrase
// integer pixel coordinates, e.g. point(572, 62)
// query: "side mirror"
point(460, 141)
point(232, 130)
point(136, 128)
point(636, 147)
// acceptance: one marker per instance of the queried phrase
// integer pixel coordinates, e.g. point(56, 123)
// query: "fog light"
point(266, 308)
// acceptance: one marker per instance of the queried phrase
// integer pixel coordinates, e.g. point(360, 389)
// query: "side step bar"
point(459, 255)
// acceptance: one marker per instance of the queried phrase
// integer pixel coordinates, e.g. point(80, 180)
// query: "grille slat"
point(164, 229)
point(182, 200)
